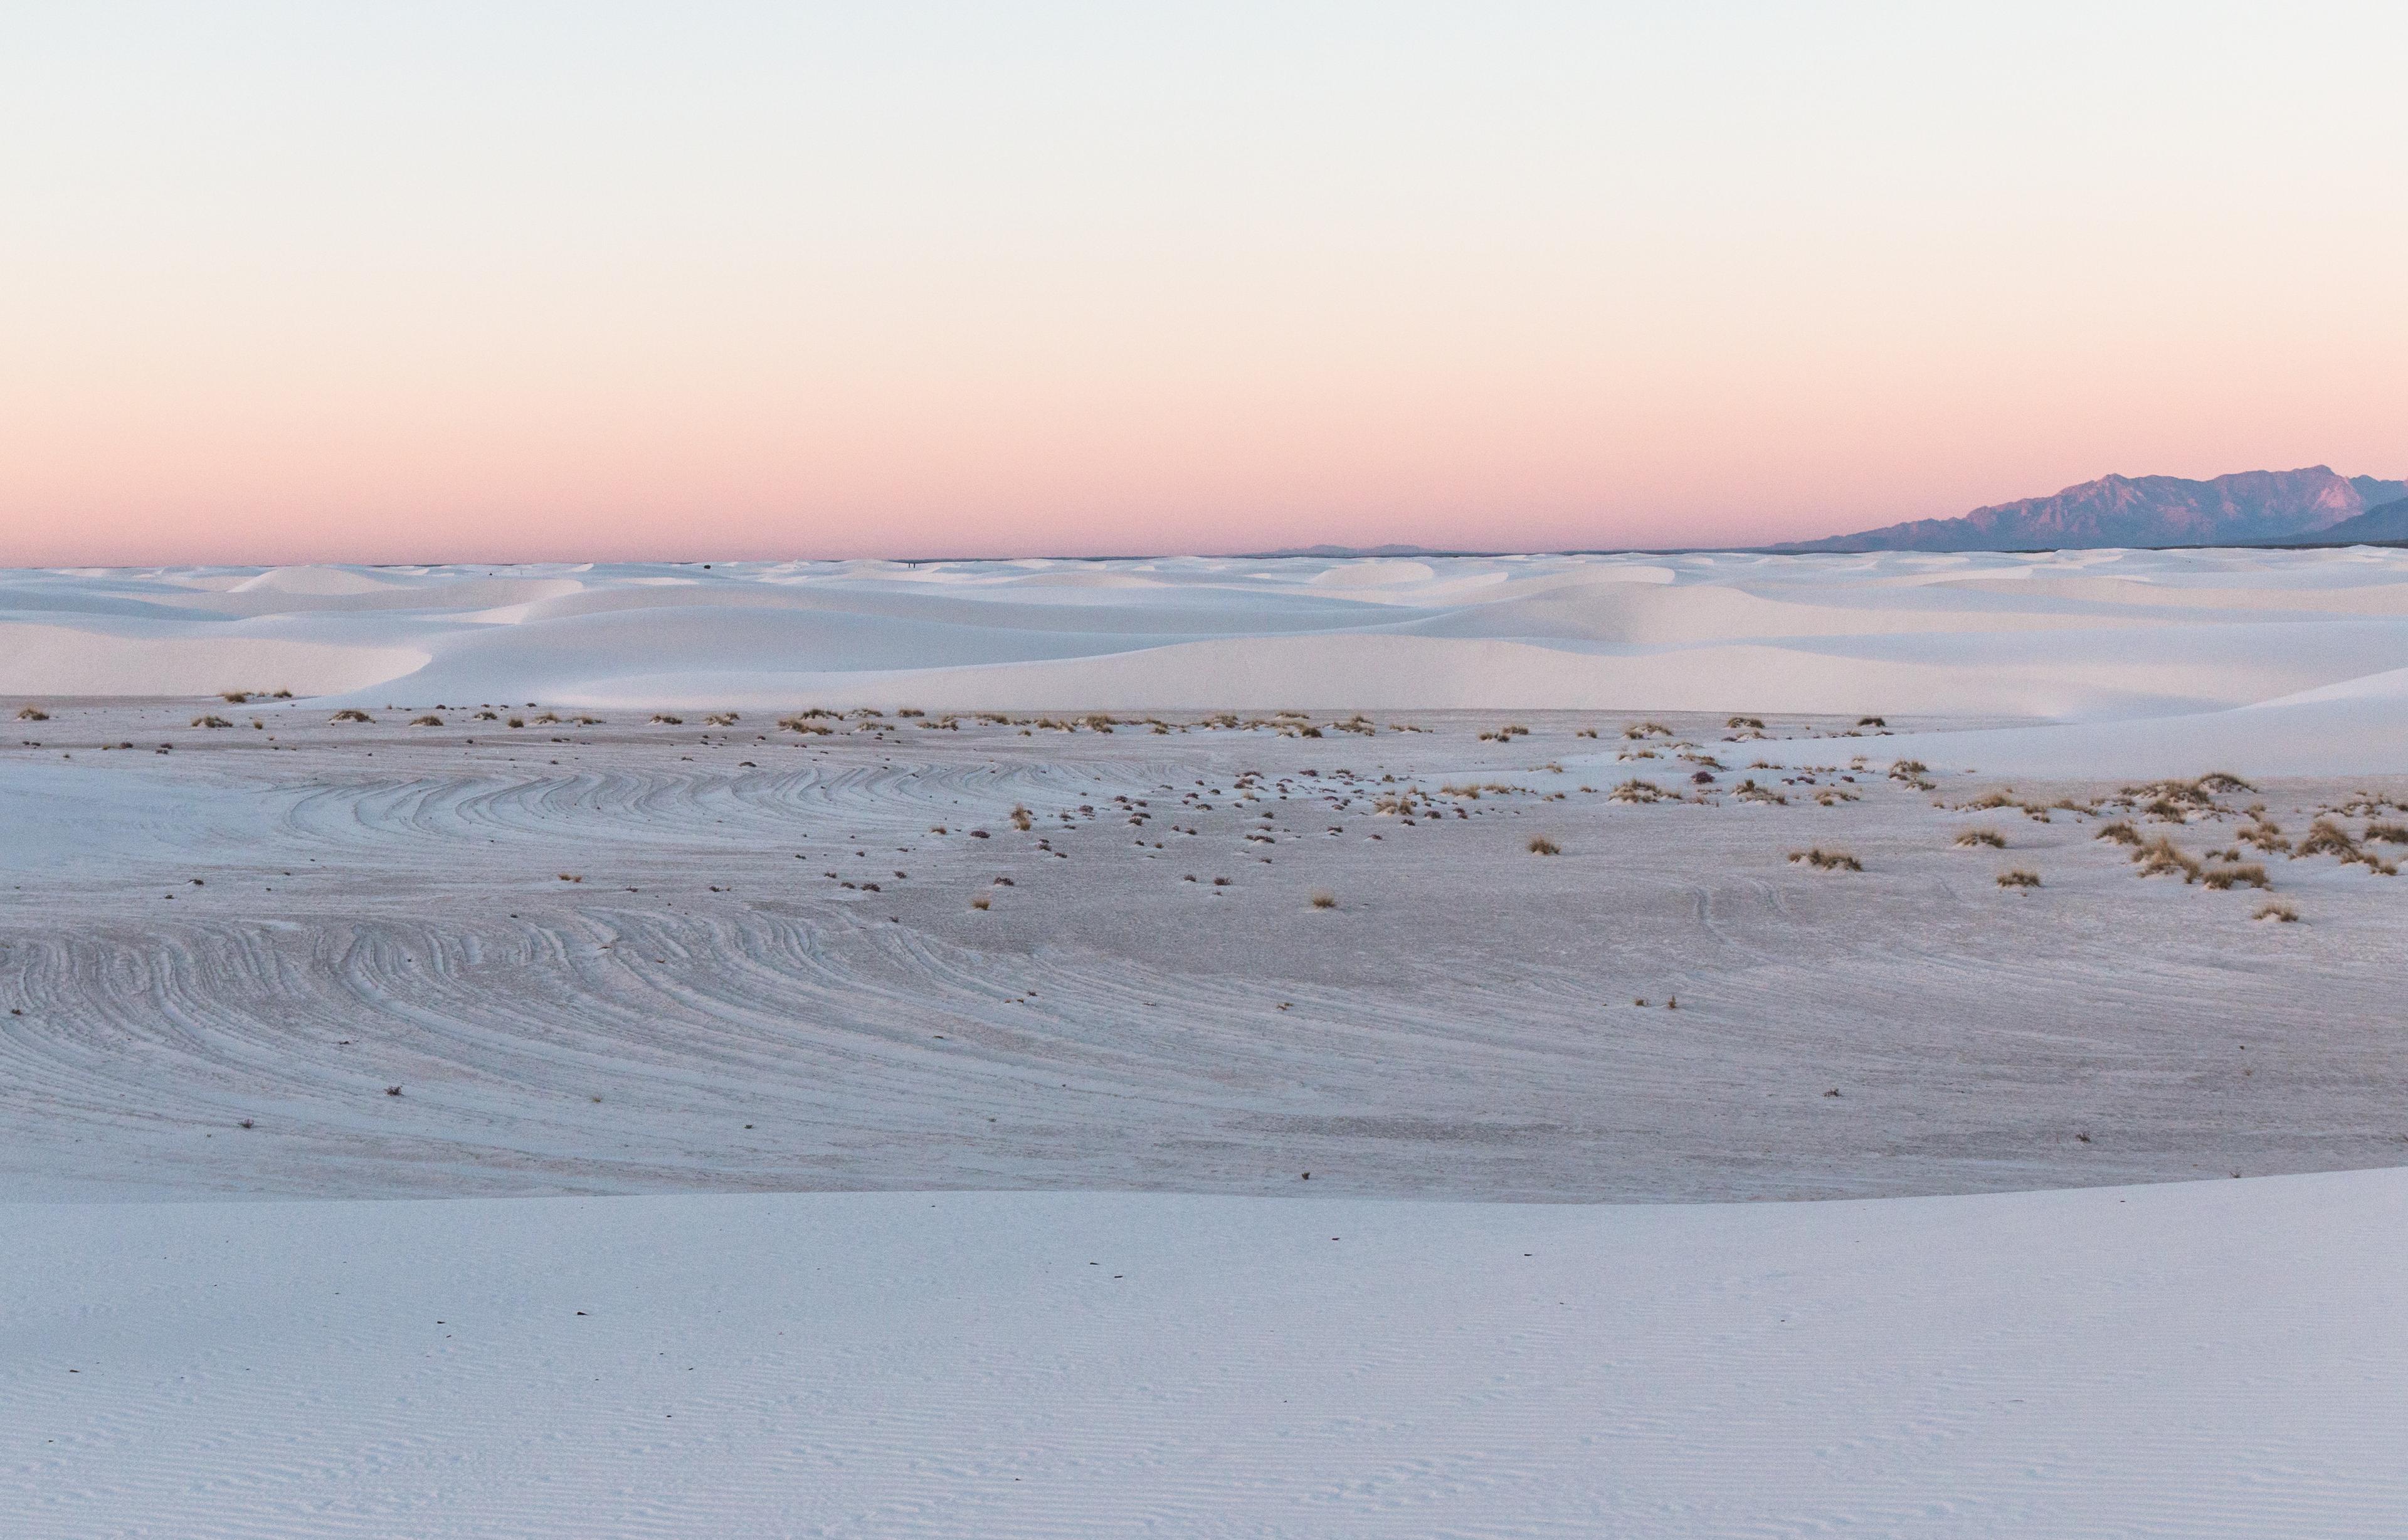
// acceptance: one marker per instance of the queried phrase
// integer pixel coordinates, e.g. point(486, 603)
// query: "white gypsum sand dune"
point(2207, 1360)
point(893, 1023)
point(2102, 639)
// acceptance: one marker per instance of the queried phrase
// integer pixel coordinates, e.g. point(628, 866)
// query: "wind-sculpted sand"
point(1023, 1121)
point(634, 956)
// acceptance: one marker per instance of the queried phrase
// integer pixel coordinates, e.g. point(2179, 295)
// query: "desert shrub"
point(430, 719)
point(1827, 861)
point(1325, 901)
point(1022, 819)
point(2326, 837)
point(1871, 721)
point(2276, 910)
point(2246, 875)
point(1737, 722)
point(1639, 791)
point(2118, 832)
point(982, 903)
point(233, 697)
point(666, 719)
point(1541, 845)
point(723, 719)
point(2019, 877)
point(515, 721)
point(1748, 791)
point(1646, 730)
point(2387, 834)
point(2159, 858)
point(32, 713)
point(352, 714)
point(1976, 838)
point(211, 722)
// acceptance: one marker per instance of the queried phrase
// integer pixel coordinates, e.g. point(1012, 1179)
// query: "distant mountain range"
point(2247, 508)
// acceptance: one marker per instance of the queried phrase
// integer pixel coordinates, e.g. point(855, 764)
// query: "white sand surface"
point(816, 1067)
point(2206, 1359)
point(2098, 637)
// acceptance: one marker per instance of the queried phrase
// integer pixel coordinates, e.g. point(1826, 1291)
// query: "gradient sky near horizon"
point(497, 281)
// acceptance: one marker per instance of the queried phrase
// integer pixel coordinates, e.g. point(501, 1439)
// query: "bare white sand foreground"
point(1206, 1047)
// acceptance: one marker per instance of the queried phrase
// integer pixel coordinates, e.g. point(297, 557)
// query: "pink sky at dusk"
point(292, 283)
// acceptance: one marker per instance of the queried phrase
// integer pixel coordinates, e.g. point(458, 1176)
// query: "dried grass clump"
point(570, 877)
point(2278, 910)
point(547, 718)
point(211, 722)
point(1639, 791)
point(1825, 861)
point(729, 719)
point(2244, 875)
point(1646, 730)
point(1737, 722)
point(2118, 832)
point(350, 714)
point(1748, 791)
point(280, 695)
point(982, 903)
point(1022, 819)
point(666, 719)
point(430, 719)
point(2267, 836)
point(2019, 877)
point(32, 713)
point(515, 721)
point(2159, 858)
point(1321, 900)
point(2326, 837)
point(1871, 721)
point(233, 697)
point(1541, 845)
point(1972, 839)
point(2387, 834)
point(801, 724)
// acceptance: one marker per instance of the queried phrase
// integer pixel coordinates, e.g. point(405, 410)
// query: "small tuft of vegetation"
point(430, 719)
point(2119, 833)
point(2019, 877)
point(1323, 900)
point(32, 713)
point(982, 903)
point(1825, 861)
point(1974, 839)
point(1639, 791)
point(729, 719)
point(2246, 875)
point(211, 722)
point(2159, 858)
point(233, 697)
point(1541, 845)
point(664, 719)
point(350, 714)
point(1871, 721)
point(2276, 909)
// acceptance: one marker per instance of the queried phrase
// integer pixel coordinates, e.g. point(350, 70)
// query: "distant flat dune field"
point(2141, 654)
